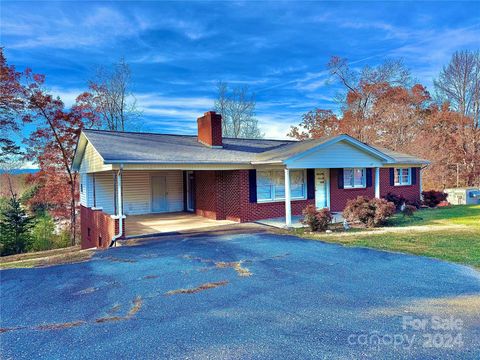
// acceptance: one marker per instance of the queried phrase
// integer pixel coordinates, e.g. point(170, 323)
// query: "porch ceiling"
point(137, 225)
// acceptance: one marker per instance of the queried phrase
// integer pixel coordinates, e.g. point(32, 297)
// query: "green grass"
point(451, 234)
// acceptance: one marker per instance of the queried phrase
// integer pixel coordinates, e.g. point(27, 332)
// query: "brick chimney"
point(210, 129)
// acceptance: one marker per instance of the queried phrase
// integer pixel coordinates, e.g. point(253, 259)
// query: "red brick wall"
point(409, 192)
point(224, 195)
point(206, 194)
point(339, 197)
point(100, 225)
point(210, 129)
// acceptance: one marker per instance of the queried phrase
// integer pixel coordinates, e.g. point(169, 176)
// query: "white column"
point(420, 185)
point(377, 183)
point(288, 201)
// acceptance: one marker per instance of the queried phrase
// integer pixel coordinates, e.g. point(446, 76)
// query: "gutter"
point(119, 208)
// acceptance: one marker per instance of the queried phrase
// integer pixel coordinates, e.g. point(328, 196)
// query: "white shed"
point(463, 196)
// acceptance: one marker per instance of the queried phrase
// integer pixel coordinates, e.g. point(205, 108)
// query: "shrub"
point(43, 233)
point(371, 213)
point(409, 210)
point(317, 220)
point(398, 200)
point(432, 198)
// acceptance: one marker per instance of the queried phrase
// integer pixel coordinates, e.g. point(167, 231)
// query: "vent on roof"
point(210, 129)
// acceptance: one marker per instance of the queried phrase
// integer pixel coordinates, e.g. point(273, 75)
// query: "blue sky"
point(178, 51)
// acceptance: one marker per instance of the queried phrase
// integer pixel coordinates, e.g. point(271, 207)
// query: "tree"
point(15, 227)
point(11, 108)
point(449, 141)
point(362, 89)
point(52, 147)
point(459, 84)
point(316, 124)
point(110, 99)
point(237, 108)
point(379, 106)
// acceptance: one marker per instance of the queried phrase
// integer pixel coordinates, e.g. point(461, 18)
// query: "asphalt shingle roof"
point(162, 148)
point(131, 147)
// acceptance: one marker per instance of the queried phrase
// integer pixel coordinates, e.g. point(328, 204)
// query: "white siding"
point(92, 161)
point(104, 192)
point(137, 191)
point(338, 155)
point(83, 190)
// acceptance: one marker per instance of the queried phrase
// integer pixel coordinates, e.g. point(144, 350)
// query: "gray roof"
point(163, 148)
point(131, 147)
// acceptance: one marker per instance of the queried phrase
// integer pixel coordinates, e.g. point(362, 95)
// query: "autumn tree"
point(110, 99)
point(237, 107)
point(316, 124)
point(11, 109)
point(361, 90)
point(380, 106)
point(459, 84)
point(51, 145)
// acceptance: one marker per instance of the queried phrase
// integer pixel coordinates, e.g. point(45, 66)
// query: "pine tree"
point(15, 225)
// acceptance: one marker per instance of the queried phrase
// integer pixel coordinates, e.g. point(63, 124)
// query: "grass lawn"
point(451, 233)
point(45, 258)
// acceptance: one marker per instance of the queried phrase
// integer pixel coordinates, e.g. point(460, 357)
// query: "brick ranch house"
point(126, 174)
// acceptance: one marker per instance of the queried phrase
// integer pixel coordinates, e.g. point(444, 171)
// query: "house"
point(126, 177)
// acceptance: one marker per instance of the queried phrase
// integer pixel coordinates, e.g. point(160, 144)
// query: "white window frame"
point(399, 177)
point(274, 198)
point(355, 186)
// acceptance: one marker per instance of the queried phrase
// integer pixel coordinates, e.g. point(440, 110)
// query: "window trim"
point(400, 183)
point(282, 199)
point(364, 179)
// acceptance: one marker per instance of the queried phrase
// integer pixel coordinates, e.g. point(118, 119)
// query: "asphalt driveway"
point(256, 295)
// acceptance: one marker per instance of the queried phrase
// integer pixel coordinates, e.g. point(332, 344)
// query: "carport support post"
point(377, 183)
point(288, 200)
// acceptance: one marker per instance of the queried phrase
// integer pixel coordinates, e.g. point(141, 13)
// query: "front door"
point(322, 188)
point(159, 194)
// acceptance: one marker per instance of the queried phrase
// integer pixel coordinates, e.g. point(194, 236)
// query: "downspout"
point(119, 207)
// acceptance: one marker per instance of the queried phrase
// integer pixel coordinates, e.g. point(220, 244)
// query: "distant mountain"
point(20, 171)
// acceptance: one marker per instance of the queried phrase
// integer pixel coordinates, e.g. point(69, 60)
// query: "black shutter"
point(340, 178)
point(414, 175)
point(310, 183)
point(392, 176)
point(252, 185)
point(369, 177)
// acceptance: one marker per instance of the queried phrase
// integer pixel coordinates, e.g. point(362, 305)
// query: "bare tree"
point(111, 98)
point(238, 112)
point(459, 84)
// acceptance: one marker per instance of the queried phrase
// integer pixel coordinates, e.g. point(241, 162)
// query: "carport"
point(138, 225)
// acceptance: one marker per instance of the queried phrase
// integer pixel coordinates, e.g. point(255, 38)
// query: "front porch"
point(139, 225)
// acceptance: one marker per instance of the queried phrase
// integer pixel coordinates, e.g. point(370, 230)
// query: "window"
point(354, 178)
point(271, 185)
point(403, 176)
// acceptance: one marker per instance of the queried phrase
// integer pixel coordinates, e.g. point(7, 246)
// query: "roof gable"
point(340, 153)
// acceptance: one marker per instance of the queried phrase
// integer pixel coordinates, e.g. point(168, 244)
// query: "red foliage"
point(370, 212)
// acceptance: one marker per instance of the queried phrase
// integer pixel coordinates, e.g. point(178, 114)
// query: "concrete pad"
point(296, 221)
point(137, 225)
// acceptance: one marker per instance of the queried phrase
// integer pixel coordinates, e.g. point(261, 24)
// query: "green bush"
point(370, 212)
point(43, 233)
